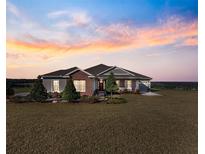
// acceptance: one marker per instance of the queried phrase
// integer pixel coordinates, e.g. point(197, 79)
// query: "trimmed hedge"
point(116, 100)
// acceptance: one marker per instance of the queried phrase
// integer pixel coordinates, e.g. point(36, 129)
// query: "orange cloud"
point(33, 47)
point(11, 66)
point(54, 49)
point(115, 37)
point(169, 33)
point(191, 42)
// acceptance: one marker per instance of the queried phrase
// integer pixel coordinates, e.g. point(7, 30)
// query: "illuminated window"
point(79, 85)
point(56, 85)
point(128, 84)
point(118, 83)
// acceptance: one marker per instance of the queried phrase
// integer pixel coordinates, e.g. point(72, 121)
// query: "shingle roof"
point(97, 69)
point(101, 67)
point(139, 75)
point(60, 72)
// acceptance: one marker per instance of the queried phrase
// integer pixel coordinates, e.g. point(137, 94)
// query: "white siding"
point(137, 85)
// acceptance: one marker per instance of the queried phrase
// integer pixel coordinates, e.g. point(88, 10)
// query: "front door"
point(100, 86)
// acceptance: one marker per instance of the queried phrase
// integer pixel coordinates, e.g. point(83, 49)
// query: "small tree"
point(38, 91)
point(111, 85)
point(69, 93)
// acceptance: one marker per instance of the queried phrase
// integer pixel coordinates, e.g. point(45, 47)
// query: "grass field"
point(160, 124)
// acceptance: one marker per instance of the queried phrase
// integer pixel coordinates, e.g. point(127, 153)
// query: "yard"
point(160, 124)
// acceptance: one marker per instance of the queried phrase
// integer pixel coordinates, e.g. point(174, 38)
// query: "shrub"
point(50, 95)
point(94, 99)
point(69, 92)
point(95, 93)
point(78, 95)
point(89, 99)
point(126, 91)
point(110, 84)
point(116, 100)
point(38, 91)
point(55, 95)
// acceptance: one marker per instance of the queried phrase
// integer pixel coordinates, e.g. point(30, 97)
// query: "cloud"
point(166, 32)
point(23, 27)
point(57, 14)
point(13, 55)
point(77, 32)
point(193, 41)
point(13, 9)
point(81, 18)
point(11, 66)
point(70, 18)
point(64, 24)
point(114, 38)
point(161, 53)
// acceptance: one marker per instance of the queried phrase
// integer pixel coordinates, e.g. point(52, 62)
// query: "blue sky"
point(141, 11)
point(156, 38)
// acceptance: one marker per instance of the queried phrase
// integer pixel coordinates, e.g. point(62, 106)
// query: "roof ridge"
point(138, 73)
point(96, 66)
point(94, 70)
point(61, 72)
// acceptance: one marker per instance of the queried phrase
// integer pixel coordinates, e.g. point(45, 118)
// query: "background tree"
point(38, 91)
point(9, 90)
point(69, 92)
point(111, 85)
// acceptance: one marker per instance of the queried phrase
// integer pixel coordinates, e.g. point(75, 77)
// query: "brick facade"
point(80, 75)
point(133, 85)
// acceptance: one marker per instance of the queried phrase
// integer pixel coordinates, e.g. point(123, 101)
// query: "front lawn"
point(160, 124)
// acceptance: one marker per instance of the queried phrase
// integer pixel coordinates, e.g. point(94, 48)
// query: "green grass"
point(22, 89)
point(166, 124)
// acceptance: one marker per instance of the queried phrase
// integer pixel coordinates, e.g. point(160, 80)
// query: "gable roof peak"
point(94, 70)
point(101, 65)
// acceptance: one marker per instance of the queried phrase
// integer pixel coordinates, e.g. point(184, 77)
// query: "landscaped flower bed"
point(116, 100)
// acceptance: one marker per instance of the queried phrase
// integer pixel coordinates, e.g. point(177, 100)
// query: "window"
point(118, 83)
point(79, 85)
point(128, 84)
point(56, 86)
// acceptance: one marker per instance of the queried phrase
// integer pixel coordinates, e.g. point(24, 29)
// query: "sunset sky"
point(155, 38)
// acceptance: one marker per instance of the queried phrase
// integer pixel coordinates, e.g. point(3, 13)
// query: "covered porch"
point(125, 84)
point(122, 84)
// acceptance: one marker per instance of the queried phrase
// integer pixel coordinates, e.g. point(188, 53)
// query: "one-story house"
point(94, 78)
